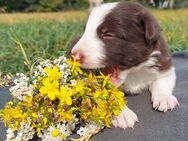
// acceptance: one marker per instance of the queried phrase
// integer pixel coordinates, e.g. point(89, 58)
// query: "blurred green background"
point(45, 27)
point(56, 5)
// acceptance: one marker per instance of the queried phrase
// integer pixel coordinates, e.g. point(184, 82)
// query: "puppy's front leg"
point(127, 118)
point(161, 90)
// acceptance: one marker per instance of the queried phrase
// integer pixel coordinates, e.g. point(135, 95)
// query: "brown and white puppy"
point(125, 40)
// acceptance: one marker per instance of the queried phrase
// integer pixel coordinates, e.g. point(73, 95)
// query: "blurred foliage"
point(41, 5)
point(56, 5)
point(31, 5)
point(40, 40)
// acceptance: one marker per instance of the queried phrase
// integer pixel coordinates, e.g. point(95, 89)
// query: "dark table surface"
point(153, 125)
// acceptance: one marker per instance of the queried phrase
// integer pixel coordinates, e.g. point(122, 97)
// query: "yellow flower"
point(100, 109)
point(55, 133)
point(25, 117)
point(117, 100)
point(12, 113)
point(34, 115)
point(104, 78)
point(50, 88)
point(79, 86)
point(102, 94)
point(50, 110)
point(65, 115)
point(29, 99)
point(38, 131)
point(102, 104)
point(51, 82)
point(75, 66)
point(65, 95)
point(97, 94)
point(53, 73)
point(45, 120)
point(91, 77)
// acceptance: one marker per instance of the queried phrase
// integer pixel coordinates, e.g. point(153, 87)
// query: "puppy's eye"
point(107, 35)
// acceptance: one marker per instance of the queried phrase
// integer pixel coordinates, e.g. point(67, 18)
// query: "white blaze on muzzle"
point(90, 47)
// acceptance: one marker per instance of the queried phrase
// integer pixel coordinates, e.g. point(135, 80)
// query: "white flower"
point(25, 133)
point(60, 60)
point(64, 130)
point(10, 134)
point(82, 131)
point(73, 82)
point(22, 87)
point(88, 128)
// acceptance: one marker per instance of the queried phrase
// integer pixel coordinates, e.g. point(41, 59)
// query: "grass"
point(40, 39)
point(47, 35)
point(174, 24)
point(42, 17)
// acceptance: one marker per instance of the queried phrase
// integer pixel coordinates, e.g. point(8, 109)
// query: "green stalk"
point(15, 39)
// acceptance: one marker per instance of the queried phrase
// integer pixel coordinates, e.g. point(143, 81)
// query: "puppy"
point(125, 40)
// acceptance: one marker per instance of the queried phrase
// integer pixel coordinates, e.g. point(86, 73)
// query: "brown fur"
point(131, 34)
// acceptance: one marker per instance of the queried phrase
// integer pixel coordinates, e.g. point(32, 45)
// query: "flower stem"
point(15, 38)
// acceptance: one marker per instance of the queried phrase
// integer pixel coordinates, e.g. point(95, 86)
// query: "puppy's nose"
point(79, 57)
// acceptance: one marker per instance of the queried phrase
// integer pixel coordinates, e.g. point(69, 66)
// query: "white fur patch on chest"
point(140, 77)
point(140, 80)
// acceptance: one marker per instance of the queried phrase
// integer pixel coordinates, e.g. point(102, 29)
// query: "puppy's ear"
point(151, 27)
point(73, 42)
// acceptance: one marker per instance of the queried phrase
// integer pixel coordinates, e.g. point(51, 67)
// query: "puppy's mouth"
point(114, 72)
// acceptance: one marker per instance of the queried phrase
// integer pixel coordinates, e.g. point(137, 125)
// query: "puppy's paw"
point(164, 102)
point(127, 118)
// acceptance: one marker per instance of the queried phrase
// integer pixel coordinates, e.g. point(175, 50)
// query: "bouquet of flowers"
point(59, 98)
